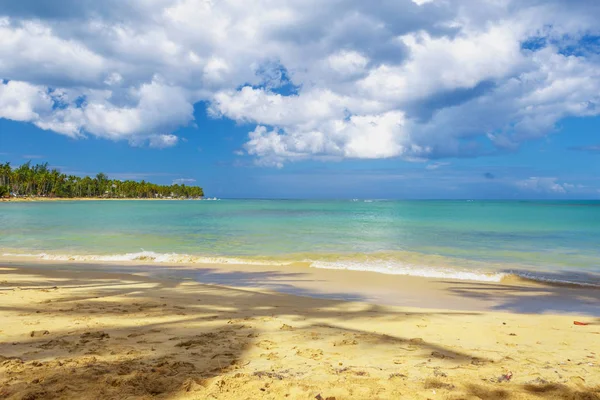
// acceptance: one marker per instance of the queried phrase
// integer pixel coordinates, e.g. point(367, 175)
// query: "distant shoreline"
point(50, 199)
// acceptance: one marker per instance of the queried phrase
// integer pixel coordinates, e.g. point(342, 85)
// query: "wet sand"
point(128, 331)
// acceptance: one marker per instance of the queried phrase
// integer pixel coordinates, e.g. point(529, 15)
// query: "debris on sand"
point(100, 335)
point(319, 397)
point(505, 378)
point(439, 374)
point(39, 333)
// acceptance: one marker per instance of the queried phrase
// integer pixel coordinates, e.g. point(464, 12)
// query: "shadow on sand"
point(524, 296)
point(144, 337)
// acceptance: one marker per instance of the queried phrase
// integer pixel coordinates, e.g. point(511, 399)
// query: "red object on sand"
point(580, 323)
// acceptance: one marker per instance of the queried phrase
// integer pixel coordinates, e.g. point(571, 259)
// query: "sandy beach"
point(77, 331)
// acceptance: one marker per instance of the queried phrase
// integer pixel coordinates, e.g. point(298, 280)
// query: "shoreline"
point(76, 331)
point(514, 294)
point(427, 265)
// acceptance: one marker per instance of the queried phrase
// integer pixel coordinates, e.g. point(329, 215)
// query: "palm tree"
point(40, 180)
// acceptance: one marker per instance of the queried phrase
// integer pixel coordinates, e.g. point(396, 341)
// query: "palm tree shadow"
point(524, 296)
point(534, 391)
point(191, 336)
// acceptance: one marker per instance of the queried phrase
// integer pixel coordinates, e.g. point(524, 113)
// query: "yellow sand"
point(80, 335)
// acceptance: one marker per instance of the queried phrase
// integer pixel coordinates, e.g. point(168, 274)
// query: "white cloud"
point(157, 107)
point(113, 79)
point(326, 80)
point(183, 181)
point(544, 185)
point(21, 101)
point(347, 63)
point(360, 136)
point(162, 141)
point(32, 51)
point(436, 165)
point(444, 64)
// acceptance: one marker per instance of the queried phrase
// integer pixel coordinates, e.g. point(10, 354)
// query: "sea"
point(487, 241)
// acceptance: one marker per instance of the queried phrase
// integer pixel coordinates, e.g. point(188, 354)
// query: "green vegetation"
point(40, 181)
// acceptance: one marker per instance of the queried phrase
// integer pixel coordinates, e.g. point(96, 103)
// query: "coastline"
point(53, 199)
point(513, 294)
point(73, 330)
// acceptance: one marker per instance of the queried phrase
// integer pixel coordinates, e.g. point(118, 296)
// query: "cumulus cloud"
point(156, 107)
point(359, 136)
point(21, 101)
point(415, 79)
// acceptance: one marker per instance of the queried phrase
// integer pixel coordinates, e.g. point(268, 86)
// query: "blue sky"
point(207, 156)
point(501, 100)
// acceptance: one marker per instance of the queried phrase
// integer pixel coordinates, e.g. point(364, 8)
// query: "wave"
point(504, 276)
point(573, 279)
point(166, 258)
point(431, 267)
point(412, 270)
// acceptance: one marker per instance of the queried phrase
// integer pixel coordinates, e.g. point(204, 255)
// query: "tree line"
point(41, 181)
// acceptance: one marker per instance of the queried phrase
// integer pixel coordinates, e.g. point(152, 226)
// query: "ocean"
point(468, 240)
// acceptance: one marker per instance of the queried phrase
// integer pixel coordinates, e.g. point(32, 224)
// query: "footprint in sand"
point(313, 354)
point(345, 342)
point(99, 335)
point(270, 356)
point(437, 354)
point(55, 343)
point(204, 339)
point(315, 336)
point(266, 344)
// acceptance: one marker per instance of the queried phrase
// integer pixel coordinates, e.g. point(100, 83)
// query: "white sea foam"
point(392, 267)
point(384, 267)
point(148, 256)
point(398, 268)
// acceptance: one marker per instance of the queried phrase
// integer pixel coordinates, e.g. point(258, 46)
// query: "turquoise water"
point(481, 240)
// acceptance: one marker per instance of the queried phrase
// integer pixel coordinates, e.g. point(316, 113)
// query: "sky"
point(309, 98)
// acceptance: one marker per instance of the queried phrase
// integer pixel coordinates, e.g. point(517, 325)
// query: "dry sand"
point(86, 334)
